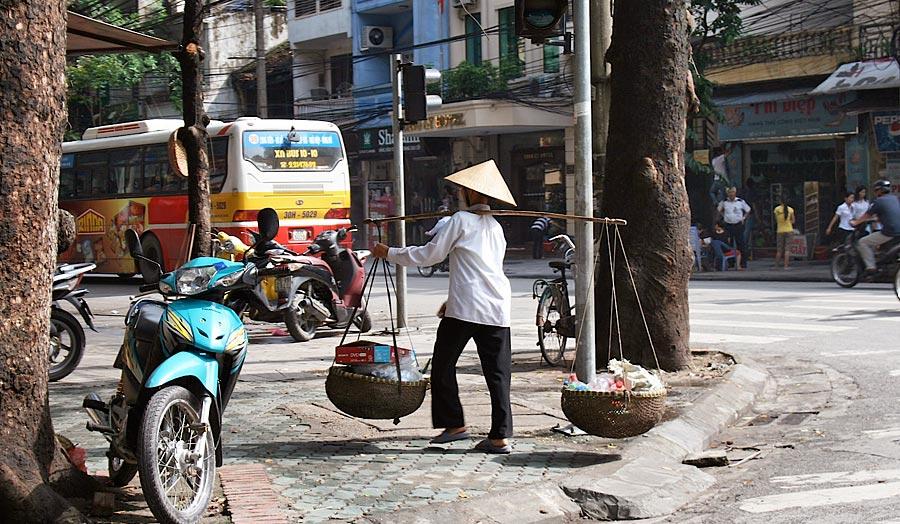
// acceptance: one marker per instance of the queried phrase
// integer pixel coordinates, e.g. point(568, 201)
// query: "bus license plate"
point(299, 235)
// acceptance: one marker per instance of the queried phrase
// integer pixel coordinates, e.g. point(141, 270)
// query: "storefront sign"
point(813, 115)
point(856, 153)
point(870, 74)
point(373, 141)
point(381, 204)
point(438, 122)
point(887, 131)
point(701, 156)
point(797, 247)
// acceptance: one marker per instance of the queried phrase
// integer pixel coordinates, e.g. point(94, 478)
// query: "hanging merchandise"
point(371, 380)
point(628, 400)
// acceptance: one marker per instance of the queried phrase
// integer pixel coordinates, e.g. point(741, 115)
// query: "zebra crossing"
point(757, 317)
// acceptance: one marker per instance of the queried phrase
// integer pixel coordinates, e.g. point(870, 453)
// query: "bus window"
point(156, 166)
point(218, 165)
point(91, 175)
point(67, 176)
point(125, 171)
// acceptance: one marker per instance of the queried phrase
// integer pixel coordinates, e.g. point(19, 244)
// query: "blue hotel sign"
point(807, 116)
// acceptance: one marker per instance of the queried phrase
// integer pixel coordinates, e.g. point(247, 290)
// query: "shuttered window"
point(311, 7)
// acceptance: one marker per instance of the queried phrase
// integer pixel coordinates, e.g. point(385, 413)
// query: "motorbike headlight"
point(230, 280)
point(193, 280)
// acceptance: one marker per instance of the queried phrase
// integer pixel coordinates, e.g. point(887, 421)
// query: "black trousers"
point(736, 232)
point(495, 352)
point(537, 243)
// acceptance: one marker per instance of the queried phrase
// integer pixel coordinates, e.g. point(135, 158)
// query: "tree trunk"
point(645, 184)
point(193, 135)
point(32, 114)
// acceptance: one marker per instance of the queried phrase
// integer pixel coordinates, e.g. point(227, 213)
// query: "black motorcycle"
point(847, 266)
point(67, 340)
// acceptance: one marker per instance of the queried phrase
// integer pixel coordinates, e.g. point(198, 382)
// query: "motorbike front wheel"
point(897, 283)
point(845, 270)
point(177, 484)
point(363, 321)
point(66, 343)
point(426, 271)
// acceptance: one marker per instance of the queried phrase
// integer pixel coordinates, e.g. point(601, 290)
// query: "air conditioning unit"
point(377, 37)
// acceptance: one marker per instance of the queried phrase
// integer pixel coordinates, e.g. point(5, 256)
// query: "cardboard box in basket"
point(366, 352)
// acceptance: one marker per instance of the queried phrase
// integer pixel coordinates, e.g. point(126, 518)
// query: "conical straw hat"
point(486, 179)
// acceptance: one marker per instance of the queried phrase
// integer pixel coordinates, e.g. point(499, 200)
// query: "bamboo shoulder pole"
point(500, 213)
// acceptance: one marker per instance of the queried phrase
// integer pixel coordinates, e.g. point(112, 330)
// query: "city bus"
point(118, 177)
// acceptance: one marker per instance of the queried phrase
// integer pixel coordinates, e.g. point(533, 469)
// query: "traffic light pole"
point(399, 191)
point(585, 349)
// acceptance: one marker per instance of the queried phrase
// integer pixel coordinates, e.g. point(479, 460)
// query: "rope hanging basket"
point(362, 396)
point(615, 414)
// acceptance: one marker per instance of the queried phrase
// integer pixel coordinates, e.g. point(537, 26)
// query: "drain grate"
point(249, 495)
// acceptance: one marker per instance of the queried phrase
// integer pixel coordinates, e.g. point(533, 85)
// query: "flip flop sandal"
point(486, 446)
point(446, 437)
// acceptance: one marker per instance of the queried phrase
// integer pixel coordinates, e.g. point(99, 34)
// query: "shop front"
point(793, 145)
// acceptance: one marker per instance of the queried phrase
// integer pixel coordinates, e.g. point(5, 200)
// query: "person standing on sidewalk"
point(734, 212)
point(478, 305)
point(784, 220)
point(842, 217)
point(885, 209)
point(538, 232)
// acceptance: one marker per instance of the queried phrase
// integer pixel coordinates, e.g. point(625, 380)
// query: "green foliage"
point(468, 81)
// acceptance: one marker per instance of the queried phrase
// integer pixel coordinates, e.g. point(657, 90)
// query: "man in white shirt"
point(734, 211)
point(478, 305)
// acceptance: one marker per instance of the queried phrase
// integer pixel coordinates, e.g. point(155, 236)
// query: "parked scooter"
point(847, 265)
point(180, 361)
point(67, 339)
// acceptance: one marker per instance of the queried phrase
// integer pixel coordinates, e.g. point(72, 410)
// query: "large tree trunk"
point(645, 183)
point(32, 114)
point(193, 135)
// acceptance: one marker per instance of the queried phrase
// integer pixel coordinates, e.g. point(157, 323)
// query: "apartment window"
point(551, 58)
point(512, 48)
point(311, 7)
point(473, 38)
point(341, 74)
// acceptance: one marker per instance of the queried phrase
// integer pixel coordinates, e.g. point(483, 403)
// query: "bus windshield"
point(292, 150)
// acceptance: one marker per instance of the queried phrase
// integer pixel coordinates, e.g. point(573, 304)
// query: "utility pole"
point(399, 192)
point(601, 35)
point(193, 135)
point(585, 350)
point(262, 98)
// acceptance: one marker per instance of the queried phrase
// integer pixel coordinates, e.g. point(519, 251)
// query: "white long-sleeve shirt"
point(479, 290)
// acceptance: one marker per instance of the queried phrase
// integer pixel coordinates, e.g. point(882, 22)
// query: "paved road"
point(828, 430)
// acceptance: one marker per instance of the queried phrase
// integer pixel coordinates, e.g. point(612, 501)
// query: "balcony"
point(321, 105)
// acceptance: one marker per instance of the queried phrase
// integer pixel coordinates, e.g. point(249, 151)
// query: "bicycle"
point(555, 318)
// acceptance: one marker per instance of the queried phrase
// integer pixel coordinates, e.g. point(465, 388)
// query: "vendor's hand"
point(828, 231)
point(380, 250)
point(442, 310)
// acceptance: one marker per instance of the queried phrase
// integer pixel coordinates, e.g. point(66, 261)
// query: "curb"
point(648, 482)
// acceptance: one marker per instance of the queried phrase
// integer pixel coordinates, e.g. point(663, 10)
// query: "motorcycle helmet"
point(884, 185)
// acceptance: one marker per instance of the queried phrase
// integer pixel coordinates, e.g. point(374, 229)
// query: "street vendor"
point(478, 305)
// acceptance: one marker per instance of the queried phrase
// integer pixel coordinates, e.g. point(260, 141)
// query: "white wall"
point(233, 34)
point(324, 25)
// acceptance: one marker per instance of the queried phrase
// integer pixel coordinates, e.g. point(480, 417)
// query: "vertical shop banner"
point(381, 204)
point(887, 131)
point(808, 116)
point(856, 153)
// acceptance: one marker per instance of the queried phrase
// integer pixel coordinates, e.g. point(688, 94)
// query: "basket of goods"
point(372, 380)
point(369, 381)
point(626, 400)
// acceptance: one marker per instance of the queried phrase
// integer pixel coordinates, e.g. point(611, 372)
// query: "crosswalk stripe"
point(769, 325)
point(821, 497)
point(836, 477)
point(895, 373)
point(723, 338)
point(741, 312)
point(880, 301)
point(859, 353)
point(881, 434)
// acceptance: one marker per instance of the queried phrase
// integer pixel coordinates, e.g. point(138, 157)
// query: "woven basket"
point(614, 415)
point(362, 396)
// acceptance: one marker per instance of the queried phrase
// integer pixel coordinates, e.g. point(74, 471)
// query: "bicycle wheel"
point(552, 344)
point(426, 271)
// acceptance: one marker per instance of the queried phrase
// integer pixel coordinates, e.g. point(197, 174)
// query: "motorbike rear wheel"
point(426, 271)
point(301, 324)
point(66, 344)
point(897, 283)
point(176, 486)
point(845, 270)
point(363, 321)
point(120, 472)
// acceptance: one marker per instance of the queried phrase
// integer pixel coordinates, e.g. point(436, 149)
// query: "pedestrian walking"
point(478, 306)
point(538, 232)
point(860, 203)
point(885, 209)
point(784, 230)
point(842, 217)
point(734, 211)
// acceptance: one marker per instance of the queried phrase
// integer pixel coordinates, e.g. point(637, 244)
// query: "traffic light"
point(539, 20)
point(416, 101)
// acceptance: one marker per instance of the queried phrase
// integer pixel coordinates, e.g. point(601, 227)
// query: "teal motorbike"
point(180, 360)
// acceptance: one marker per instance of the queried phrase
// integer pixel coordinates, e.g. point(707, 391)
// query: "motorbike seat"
point(556, 264)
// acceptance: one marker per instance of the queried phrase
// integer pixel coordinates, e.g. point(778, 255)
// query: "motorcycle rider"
point(885, 209)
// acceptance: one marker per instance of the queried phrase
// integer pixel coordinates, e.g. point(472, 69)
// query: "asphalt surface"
point(827, 432)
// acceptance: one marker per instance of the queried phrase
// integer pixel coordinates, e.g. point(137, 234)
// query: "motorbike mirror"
point(134, 243)
point(352, 229)
point(267, 223)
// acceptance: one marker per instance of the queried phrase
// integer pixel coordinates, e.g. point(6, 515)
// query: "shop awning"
point(856, 76)
point(86, 36)
point(489, 117)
